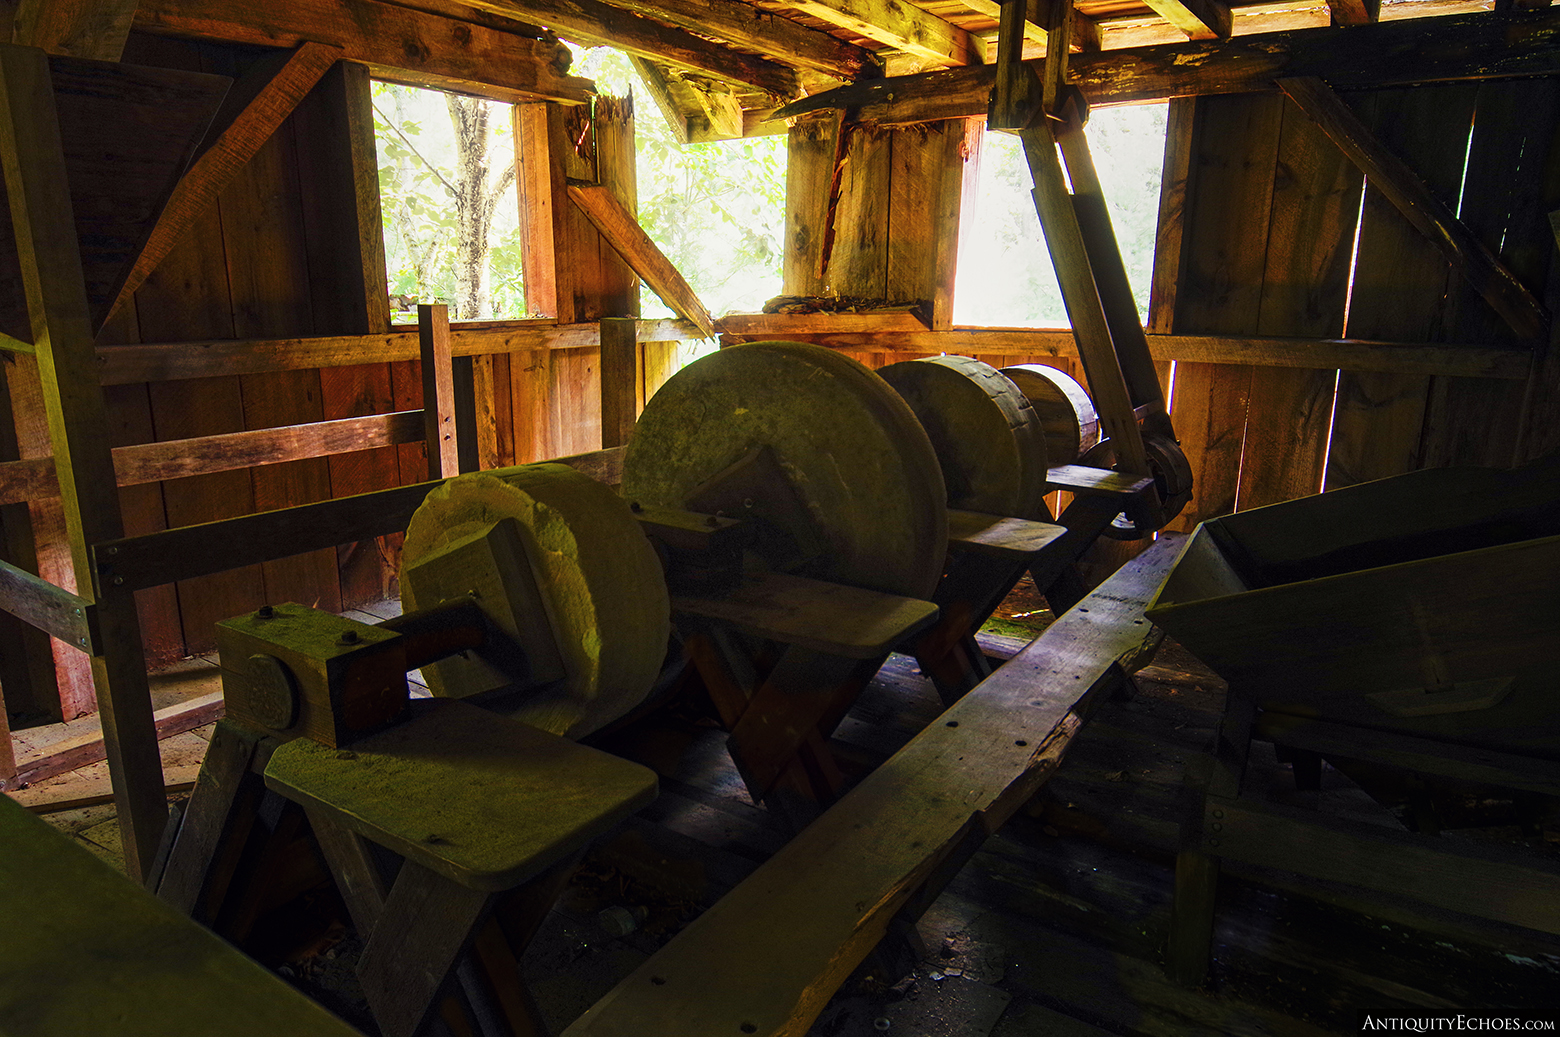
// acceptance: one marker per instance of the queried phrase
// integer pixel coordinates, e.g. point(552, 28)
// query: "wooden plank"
point(1199, 19)
point(33, 479)
point(1472, 878)
point(933, 168)
point(403, 45)
point(120, 955)
point(999, 537)
point(78, 793)
point(888, 320)
point(1305, 284)
point(1390, 749)
point(88, 747)
point(1170, 227)
point(1419, 205)
point(438, 391)
point(62, 614)
point(618, 226)
point(765, 32)
point(824, 617)
point(130, 131)
point(809, 174)
point(1400, 287)
point(171, 361)
point(814, 910)
point(264, 241)
point(271, 90)
point(1229, 204)
point(1031, 345)
point(41, 216)
point(619, 348)
point(1504, 197)
point(900, 26)
point(1385, 54)
point(92, 29)
point(598, 24)
point(858, 259)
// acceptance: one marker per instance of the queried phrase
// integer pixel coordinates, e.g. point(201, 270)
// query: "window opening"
point(1005, 277)
point(716, 209)
point(450, 211)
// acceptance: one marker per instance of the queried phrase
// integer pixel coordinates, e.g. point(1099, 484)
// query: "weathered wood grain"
point(765, 32)
point(903, 27)
point(94, 29)
point(1420, 206)
point(808, 916)
point(400, 44)
point(1399, 53)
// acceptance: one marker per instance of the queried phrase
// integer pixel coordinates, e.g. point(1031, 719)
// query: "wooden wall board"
point(27, 674)
point(1476, 421)
point(1401, 288)
point(1228, 206)
point(186, 297)
point(267, 252)
point(858, 260)
point(810, 145)
point(1305, 284)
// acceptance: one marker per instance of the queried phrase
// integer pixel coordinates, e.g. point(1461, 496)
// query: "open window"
point(1005, 278)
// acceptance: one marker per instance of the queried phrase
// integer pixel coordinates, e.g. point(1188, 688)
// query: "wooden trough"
point(1422, 604)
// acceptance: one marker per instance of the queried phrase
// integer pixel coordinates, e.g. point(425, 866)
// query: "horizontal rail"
point(54, 610)
point(34, 478)
point(183, 553)
point(166, 362)
point(1465, 361)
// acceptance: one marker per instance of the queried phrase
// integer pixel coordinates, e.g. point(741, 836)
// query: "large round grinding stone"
point(1067, 415)
point(599, 576)
point(849, 448)
point(986, 435)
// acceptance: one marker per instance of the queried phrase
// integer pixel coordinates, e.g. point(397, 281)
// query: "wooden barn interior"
point(802, 699)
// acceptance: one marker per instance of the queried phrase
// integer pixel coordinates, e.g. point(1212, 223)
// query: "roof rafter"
point(766, 32)
point(901, 26)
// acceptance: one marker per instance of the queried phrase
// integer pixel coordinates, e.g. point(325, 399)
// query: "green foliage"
point(716, 209)
point(416, 148)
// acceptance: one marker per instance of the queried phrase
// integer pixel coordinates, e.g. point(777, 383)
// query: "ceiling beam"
point(598, 24)
point(1354, 12)
point(1199, 19)
point(773, 35)
point(80, 28)
point(1486, 45)
point(397, 43)
point(901, 26)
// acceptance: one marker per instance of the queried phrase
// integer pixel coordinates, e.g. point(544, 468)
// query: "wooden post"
point(619, 355)
point(44, 222)
point(438, 378)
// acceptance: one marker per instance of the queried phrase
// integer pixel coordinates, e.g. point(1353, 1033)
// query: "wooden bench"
point(87, 951)
point(768, 956)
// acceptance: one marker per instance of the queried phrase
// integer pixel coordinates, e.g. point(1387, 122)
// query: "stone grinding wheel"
point(987, 437)
point(1067, 415)
point(603, 587)
point(850, 450)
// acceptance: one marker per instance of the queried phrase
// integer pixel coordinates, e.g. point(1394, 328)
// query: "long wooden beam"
point(33, 478)
point(54, 610)
point(95, 29)
point(1199, 19)
point(615, 223)
point(808, 916)
point(901, 26)
point(767, 32)
point(1400, 53)
point(88, 748)
point(400, 44)
point(264, 98)
point(1400, 185)
point(166, 362)
point(183, 553)
point(1323, 354)
point(599, 24)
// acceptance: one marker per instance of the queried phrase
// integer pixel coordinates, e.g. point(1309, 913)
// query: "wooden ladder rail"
point(769, 955)
point(101, 617)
